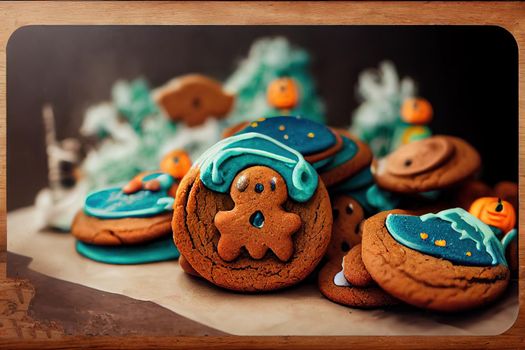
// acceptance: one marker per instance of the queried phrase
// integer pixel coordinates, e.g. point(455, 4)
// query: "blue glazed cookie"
point(448, 261)
point(314, 141)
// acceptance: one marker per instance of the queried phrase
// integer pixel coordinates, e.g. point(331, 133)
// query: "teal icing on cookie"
point(161, 249)
point(348, 151)
point(222, 162)
point(382, 200)
point(305, 136)
point(508, 238)
point(362, 179)
point(113, 203)
point(452, 234)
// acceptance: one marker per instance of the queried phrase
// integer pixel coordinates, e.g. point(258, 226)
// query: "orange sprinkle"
point(423, 235)
point(440, 242)
point(254, 125)
point(261, 119)
point(311, 135)
point(285, 137)
point(282, 128)
point(468, 254)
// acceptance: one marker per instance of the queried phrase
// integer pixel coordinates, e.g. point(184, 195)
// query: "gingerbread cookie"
point(129, 225)
point(354, 157)
point(347, 214)
point(314, 141)
point(354, 269)
point(252, 215)
point(336, 288)
point(449, 261)
point(113, 232)
point(426, 165)
point(193, 98)
point(186, 267)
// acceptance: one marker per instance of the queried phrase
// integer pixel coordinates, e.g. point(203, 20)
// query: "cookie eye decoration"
point(176, 163)
point(495, 213)
point(416, 111)
point(283, 93)
point(452, 234)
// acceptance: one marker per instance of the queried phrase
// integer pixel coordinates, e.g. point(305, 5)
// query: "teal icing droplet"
point(257, 219)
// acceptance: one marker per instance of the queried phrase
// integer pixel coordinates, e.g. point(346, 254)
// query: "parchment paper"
point(297, 311)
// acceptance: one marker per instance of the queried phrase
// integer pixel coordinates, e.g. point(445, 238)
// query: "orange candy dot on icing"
point(468, 254)
point(254, 125)
point(282, 127)
point(311, 135)
point(440, 242)
point(423, 235)
point(285, 137)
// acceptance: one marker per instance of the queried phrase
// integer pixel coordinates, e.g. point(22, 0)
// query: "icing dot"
point(468, 254)
point(273, 181)
point(349, 208)
point(259, 187)
point(254, 125)
point(311, 135)
point(285, 137)
point(257, 219)
point(440, 242)
point(423, 235)
point(282, 127)
point(242, 183)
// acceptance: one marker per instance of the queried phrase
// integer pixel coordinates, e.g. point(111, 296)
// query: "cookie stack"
point(131, 224)
point(433, 254)
point(279, 196)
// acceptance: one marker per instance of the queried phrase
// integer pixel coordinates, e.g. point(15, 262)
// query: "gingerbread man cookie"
point(257, 222)
point(193, 98)
point(252, 215)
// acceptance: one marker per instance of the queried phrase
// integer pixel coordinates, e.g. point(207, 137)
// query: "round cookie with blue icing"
point(352, 161)
point(252, 215)
point(314, 141)
point(447, 261)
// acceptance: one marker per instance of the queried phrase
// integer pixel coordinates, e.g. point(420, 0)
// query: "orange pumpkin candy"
point(283, 93)
point(176, 163)
point(494, 212)
point(416, 111)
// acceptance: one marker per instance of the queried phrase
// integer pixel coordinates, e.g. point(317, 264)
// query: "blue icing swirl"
point(222, 162)
point(303, 135)
point(112, 203)
point(348, 151)
point(452, 234)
